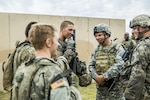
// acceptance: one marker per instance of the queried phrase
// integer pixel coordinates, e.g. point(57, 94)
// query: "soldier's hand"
point(100, 80)
point(69, 54)
point(70, 44)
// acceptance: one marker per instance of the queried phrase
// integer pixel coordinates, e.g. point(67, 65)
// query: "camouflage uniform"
point(107, 61)
point(140, 67)
point(138, 87)
point(44, 76)
point(23, 54)
point(68, 54)
point(83, 79)
point(101, 61)
point(129, 46)
point(42, 85)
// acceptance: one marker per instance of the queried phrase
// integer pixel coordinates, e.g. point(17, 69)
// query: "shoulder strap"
point(65, 73)
point(23, 43)
point(115, 46)
point(19, 50)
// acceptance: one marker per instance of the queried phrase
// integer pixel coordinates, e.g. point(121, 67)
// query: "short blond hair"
point(39, 33)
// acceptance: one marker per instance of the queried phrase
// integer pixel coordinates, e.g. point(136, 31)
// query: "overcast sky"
point(116, 9)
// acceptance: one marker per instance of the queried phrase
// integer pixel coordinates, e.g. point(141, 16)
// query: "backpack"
point(7, 67)
point(22, 83)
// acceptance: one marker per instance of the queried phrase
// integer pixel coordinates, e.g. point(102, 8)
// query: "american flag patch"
point(57, 84)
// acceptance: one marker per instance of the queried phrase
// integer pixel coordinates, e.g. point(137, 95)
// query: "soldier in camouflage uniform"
point(25, 52)
point(22, 53)
point(66, 48)
point(46, 48)
point(126, 41)
point(129, 47)
point(105, 65)
point(138, 87)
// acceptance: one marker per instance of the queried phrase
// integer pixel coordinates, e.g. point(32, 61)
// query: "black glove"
point(70, 44)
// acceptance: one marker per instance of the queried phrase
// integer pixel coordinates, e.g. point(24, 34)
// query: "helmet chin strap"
point(104, 38)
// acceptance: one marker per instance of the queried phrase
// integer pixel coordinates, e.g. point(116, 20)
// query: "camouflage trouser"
point(103, 94)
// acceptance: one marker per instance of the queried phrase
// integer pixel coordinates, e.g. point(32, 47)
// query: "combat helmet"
point(102, 28)
point(140, 20)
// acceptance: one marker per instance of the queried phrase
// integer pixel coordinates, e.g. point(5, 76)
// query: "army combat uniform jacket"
point(138, 87)
point(37, 80)
point(107, 61)
point(23, 54)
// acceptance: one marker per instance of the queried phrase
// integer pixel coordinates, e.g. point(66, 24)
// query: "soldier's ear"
point(107, 35)
point(61, 29)
point(48, 42)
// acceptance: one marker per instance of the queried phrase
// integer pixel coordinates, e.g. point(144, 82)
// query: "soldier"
point(67, 48)
point(105, 65)
point(48, 82)
point(25, 53)
point(138, 86)
point(22, 53)
point(126, 40)
point(129, 47)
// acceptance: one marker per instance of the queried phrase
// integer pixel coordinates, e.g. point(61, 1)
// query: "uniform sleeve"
point(26, 54)
point(62, 93)
point(67, 53)
point(117, 67)
point(23, 54)
point(92, 66)
point(138, 73)
point(59, 51)
point(43, 82)
point(62, 63)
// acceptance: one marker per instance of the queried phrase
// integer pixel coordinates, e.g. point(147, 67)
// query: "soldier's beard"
point(140, 34)
point(102, 42)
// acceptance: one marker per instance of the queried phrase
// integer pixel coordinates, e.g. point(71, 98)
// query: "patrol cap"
point(102, 28)
point(142, 20)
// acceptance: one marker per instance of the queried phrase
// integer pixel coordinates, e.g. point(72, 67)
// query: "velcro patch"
point(57, 84)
